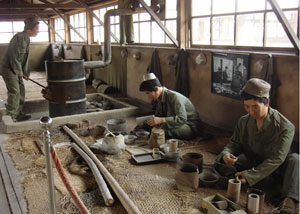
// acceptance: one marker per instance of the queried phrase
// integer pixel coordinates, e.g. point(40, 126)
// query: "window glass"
point(6, 27)
point(201, 7)
point(43, 35)
point(201, 31)
point(136, 32)
point(157, 33)
point(172, 27)
point(78, 21)
point(246, 5)
point(284, 4)
point(59, 29)
point(145, 32)
point(221, 6)
point(171, 11)
point(275, 34)
point(18, 26)
point(223, 30)
point(250, 23)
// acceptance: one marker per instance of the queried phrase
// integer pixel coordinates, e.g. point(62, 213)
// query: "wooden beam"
point(41, 6)
point(24, 12)
point(285, 24)
point(19, 17)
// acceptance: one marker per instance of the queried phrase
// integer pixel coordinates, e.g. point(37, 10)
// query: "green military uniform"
point(15, 61)
point(181, 116)
point(262, 152)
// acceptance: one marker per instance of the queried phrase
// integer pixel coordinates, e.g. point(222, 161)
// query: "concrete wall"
point(38, 53)
point(216, 110)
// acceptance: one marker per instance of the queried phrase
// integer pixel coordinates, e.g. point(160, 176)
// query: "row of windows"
point(213, 22)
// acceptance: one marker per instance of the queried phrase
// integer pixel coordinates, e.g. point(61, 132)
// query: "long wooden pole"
point(123, 197)
point(100, 181)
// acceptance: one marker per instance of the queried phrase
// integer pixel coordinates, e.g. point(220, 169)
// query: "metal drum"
point(66, 82)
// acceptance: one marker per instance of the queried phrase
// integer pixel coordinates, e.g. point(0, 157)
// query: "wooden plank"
point(11, 183)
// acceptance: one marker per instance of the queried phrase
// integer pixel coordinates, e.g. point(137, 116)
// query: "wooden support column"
point(52, 30)
point(89, 27)
point(67, 29)
point(183, 17)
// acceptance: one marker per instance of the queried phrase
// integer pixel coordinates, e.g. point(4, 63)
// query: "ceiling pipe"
point(107, 40)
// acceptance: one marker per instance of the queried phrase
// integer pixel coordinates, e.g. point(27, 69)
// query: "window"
point(43, 35)
point(59, 27)
point(9, 29)
point(241, 23)
point(99, 30)
point(147, 31)
point(78, 21)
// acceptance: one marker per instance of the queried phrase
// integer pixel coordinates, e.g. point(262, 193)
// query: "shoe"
point(287, 206)
point(23, 117)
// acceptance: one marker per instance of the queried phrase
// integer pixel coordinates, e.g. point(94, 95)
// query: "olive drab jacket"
point(15, 60)
point(266, 149)
point(178, 110)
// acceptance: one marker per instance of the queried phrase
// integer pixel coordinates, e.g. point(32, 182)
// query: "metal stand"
point(45, 123)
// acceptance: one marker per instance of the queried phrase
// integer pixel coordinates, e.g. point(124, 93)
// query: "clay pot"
point(208, 179)
point(187, 177)
point(194, 158)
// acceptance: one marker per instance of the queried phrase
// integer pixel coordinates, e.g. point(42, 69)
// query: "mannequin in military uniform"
point(174, 112)
point(260, 146)
point(15, 68)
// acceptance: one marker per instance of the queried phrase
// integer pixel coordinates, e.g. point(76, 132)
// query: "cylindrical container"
point(253, 203)
point(173, 144)
point(66, 82)
point(194, 158)
point(116, 125)
point(233, 190)
point(261, 197)
point(157, 137)
point(186, 177)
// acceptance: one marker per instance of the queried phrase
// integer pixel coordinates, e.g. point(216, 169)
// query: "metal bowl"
point(142, 134)
point(130, 139)
point(208, 179)
point(171, 155)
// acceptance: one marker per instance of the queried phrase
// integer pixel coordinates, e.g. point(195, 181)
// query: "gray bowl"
point(142, 134)
point(208, 179)
point(171, 155)
point(116, 125)
point(130, 139)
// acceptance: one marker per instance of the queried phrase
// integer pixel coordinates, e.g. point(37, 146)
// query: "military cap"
point(257, 87)
point(30, 23)
point(149, 76)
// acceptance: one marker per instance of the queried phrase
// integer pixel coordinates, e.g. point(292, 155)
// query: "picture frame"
point(230, 72)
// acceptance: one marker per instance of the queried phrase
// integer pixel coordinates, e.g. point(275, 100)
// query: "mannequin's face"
point(153, 95)
point(33, 32)
point(256, 109)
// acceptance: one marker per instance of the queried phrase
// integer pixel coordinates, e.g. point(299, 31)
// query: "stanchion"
point(46, 123)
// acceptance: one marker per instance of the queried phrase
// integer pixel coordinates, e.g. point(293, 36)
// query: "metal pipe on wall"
point(107, 41)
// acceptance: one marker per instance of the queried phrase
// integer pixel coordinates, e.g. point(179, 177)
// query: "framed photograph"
point(230, 73)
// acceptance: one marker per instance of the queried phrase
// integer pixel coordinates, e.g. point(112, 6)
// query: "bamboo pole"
point(123, 197)
point(100, 181)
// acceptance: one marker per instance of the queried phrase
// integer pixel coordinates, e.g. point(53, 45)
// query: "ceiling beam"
point(41, 6)
point(19, 17)
point(24, 12)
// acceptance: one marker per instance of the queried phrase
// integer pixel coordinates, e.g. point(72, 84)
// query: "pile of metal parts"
point(99, 104)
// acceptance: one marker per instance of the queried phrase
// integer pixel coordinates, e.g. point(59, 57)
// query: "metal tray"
point(147, 158)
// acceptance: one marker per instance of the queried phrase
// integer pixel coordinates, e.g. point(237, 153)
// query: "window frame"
point(235, 14)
